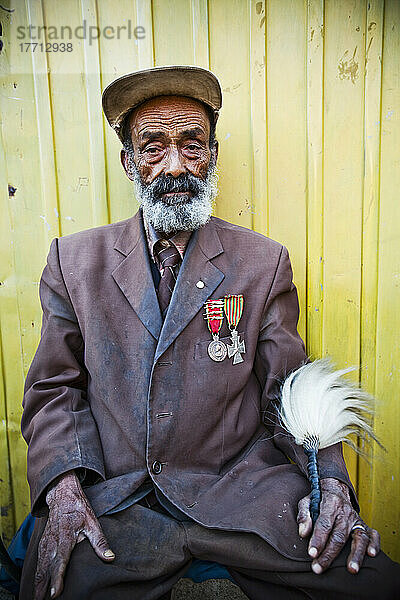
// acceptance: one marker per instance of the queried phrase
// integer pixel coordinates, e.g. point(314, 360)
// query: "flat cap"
point(128, 92)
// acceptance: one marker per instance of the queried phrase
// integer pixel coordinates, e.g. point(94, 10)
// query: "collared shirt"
point(179, 239)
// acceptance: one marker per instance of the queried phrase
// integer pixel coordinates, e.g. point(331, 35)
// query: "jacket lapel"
point(133, 275)
point(187, 299)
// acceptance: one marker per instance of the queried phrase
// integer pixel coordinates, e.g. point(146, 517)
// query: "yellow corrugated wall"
point(309, 154)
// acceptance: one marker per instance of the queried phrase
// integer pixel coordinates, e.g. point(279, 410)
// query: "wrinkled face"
point(170, 135)
point(171, 162)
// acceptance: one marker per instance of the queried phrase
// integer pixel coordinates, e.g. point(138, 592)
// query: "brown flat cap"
point(127, 92)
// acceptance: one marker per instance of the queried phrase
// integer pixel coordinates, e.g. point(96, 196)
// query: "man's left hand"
point(335, 524)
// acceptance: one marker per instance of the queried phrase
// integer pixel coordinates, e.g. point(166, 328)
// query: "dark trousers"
point(154, 550)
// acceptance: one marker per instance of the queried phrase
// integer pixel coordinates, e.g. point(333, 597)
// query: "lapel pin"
point(200, 284)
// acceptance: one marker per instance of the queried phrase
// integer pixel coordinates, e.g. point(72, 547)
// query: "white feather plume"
point(320, 408)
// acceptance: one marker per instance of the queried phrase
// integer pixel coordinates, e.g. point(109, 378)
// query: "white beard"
point(174, 214)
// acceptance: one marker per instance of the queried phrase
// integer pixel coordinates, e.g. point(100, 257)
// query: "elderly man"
point(148, 406)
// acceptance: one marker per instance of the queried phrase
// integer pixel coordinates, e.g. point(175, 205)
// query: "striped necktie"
point(168, 261)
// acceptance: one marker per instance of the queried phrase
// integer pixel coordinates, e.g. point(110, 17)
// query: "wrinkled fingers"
point(98, 540)
point(57, 571)
point(336, 541)
point(46, 553)
point(41, 583)
point(304, 517)
point(322, 531)
point(360, 541)
point(53, 557)
point(375, 542)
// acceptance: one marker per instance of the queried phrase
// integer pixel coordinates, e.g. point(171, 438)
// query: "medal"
point(214, 314)
point(233, 307)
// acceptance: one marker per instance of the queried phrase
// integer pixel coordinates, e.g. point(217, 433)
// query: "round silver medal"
point(217, 350)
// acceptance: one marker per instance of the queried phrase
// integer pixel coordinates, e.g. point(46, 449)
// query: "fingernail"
point(108, 554)
point(316, 568)
point(313, 552)
point(302, 529)
point(371, 551)
point(52, 592)
point(354, 566)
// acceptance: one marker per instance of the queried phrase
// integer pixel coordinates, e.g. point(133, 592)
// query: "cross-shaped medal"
point(237, 348)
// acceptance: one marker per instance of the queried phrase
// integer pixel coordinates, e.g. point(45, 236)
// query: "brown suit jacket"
point(115, 391)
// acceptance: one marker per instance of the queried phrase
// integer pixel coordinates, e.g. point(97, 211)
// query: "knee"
point(381, 578)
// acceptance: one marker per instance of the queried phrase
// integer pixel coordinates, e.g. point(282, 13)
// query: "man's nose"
point(174, 165)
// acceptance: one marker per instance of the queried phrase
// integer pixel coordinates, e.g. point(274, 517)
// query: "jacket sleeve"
point(281, 350)
point(57, 422)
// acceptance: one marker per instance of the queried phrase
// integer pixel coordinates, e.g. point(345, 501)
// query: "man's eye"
point(193, 147)
point(152, 150)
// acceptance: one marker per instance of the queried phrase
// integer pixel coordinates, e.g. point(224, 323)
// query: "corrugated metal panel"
point(309, 138)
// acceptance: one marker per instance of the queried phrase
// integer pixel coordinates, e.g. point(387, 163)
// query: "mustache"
point(166, 184)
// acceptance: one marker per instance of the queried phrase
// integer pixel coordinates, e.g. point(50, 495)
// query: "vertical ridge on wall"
point(343, 177)
point(386, 475)
point(7, 298)
point(44, 117)
point(258, 117)
point(286, 102)
point(144, 18)
point(199, 27)
point(315, 176)
point(370, 234)
point(7, 523)
point(119, 57)
point(179, 29)
point(266, 202)
point(70, 118)
point(25, 229)
point(96, 168)
point(229, 37)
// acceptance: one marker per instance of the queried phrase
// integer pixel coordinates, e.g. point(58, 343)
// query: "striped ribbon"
point(214, 315)
point(233, 307)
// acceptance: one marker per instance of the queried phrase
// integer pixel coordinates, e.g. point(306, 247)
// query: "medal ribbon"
point(233, 307)
point(214, 315)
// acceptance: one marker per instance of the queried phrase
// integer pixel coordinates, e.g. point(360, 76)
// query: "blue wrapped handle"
point(313, 476)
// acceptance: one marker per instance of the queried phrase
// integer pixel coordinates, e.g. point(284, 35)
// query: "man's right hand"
point(70, 520)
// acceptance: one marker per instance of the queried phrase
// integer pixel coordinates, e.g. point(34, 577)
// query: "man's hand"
point(333, 527)
point(71, 518)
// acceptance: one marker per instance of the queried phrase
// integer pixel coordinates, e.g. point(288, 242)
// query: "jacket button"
point(156, 467)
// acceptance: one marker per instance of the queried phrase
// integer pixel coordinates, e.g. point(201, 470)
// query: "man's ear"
point(125, 163)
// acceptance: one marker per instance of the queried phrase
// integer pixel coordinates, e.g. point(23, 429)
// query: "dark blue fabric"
point(199, 570)
point(17, 550)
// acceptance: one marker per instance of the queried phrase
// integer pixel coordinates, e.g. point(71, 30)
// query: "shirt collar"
point(179, 239)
